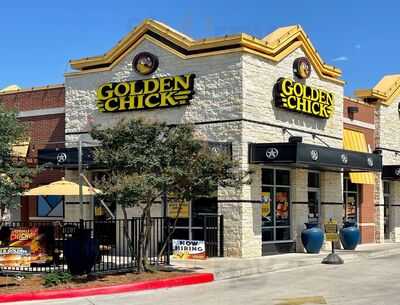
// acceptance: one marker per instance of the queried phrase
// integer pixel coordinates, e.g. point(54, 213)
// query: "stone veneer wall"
point(218, 96)
point(259, 78)
point(387, 121)
point(227, 87)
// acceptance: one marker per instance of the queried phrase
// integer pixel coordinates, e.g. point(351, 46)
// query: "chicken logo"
point(145, 63)
point(302, 67)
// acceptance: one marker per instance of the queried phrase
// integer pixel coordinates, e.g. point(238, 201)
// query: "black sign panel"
point(313, 156)
point(65, 157)
point(391, 172)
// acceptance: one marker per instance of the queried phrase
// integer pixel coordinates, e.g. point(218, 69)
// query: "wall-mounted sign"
point(145, 63)
point(188, 249)
point(295, 96)
point(163, 92)
point(176, 210)
point(302, 67)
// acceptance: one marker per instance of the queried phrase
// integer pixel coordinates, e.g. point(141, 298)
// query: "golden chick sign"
point(295, 96)
point(152, 93)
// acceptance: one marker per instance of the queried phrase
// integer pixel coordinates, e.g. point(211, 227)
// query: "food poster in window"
point(26, 246)
point(351, 207)
point(266, 202)
point(282, 207)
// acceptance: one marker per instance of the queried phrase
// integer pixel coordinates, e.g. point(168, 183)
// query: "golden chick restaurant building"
point(273, 103)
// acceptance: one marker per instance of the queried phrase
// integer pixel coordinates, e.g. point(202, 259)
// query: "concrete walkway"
point(228, 267)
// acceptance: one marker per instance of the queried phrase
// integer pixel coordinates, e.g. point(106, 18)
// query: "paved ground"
point(372, 281)
point(230, 267)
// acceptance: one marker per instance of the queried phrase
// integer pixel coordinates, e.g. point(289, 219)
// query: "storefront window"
point(275, 209)
point(351, 199)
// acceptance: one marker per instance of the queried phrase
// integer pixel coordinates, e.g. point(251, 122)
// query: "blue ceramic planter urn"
point(350, 235)
point(312, 238)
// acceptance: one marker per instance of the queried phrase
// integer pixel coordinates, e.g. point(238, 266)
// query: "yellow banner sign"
point(331, 231)
point(298, 97)
point(163, 92)
point(173, 210)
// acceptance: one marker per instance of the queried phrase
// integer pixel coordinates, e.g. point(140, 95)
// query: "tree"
point(147, 159)
point(15, 175)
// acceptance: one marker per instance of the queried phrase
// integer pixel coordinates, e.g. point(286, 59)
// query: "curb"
point(192, 279)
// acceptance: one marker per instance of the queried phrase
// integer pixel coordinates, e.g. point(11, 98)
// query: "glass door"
point(386, 201)
point(275, 209)
point(313, 197)
point(351, 199)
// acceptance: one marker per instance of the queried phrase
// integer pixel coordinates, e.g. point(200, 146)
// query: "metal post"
point(80, 178)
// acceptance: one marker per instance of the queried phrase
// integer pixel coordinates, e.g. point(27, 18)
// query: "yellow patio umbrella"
point(61, 188)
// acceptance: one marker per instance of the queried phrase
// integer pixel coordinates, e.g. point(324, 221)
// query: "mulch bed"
point(10, 284)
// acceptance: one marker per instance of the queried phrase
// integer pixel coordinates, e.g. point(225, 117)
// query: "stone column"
point(299, 204)
point(379, 211)
point(394, 211)
point(242, 211)
point(331, 199)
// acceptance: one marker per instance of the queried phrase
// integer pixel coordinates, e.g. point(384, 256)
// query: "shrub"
point(56, 278)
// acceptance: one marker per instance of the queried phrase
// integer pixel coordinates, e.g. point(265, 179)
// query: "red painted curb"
point(197, 278)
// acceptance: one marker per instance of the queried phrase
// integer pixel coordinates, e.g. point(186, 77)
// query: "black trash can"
point(81, 252)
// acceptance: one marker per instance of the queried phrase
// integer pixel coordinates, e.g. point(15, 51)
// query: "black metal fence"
point(118, 242)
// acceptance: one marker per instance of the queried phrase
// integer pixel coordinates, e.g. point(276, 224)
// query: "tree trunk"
point(126, 231)
point(170, 233)
point(144, 238)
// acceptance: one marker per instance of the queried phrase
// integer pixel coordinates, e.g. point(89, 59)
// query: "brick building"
point(42, 109)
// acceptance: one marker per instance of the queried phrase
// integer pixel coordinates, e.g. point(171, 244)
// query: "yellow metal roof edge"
point(39, 88)
point(273, 48)
point(386, 97)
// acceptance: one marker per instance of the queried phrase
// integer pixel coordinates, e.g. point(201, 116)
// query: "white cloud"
point(341, 58)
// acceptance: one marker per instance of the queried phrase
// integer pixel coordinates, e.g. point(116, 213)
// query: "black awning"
point(391, 172)
point(68, 157)
point(314, 157)
point(65, 157)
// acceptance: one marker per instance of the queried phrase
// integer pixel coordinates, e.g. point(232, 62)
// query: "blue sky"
point(39, 37)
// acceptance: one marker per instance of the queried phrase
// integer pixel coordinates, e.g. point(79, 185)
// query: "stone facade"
point(232, 103)
point(387, 121)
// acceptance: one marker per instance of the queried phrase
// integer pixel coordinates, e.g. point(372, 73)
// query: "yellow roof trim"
point(273, 46)
point(386, 90)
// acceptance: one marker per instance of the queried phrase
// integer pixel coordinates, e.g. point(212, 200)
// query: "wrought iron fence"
point(118, 242)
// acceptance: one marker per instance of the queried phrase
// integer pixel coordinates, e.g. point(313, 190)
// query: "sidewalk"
point(228, 267)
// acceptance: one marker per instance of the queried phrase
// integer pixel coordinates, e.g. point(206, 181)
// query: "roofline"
point(189, 48)
point(32, 89)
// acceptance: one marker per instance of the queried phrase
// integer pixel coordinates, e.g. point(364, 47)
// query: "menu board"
point(25, 246)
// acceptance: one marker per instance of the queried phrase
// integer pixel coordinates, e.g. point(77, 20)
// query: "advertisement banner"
point(25, 247)
point(188, 249)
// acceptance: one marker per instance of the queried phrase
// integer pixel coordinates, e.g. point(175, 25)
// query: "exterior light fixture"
point(351, 110)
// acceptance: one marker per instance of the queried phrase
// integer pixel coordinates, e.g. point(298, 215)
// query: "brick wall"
point(367, 213)
point(42, 129)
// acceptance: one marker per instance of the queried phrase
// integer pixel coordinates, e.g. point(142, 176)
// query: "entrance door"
point(275, 211)
point(386, 201)
point(313, 206)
